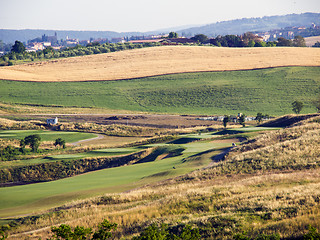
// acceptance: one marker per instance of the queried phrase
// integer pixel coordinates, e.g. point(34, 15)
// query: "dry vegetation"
point(160, 60)
point(271, 184)
point(310, 41)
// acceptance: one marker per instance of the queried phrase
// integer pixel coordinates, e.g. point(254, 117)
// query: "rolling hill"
point(155, 61)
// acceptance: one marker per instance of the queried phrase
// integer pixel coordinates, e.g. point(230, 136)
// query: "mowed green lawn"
point(268, 91)
point(45, 135)
point(40, 196)
point(65, 157)
point(34, 197)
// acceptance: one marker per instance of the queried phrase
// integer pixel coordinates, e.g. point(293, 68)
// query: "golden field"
point(159, 60)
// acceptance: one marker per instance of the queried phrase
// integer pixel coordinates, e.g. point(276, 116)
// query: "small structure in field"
point(52, 121)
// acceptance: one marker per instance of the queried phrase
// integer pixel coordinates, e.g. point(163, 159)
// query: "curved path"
point(99, 136)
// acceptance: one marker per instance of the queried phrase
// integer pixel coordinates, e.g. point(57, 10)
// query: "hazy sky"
point(138, 15)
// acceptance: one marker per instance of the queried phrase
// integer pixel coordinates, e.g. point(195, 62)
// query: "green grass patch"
point(269, 91)
point(69, 137)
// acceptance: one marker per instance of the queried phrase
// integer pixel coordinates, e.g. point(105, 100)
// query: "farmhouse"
point(52, 121)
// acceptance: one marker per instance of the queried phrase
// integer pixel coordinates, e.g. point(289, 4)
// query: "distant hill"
point(243, 25)
point(237, 26)
point(9, 35)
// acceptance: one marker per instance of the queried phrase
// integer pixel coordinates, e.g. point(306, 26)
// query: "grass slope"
point(269, 91)
point(160, 60)
point(168, 162)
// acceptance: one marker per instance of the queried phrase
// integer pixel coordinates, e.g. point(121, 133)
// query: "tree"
point(18, 47)
point(299, 41)
point(22, 145)
point(282, 42)
point(60, 142)
point(317, 44)
point(226, 119)
point(33, 141)
point(242, 120)
point(173, 35)
point(259, 117)
point(200, 38)
point(297, 106)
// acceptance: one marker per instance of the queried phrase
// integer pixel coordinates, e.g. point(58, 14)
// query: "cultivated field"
point(158, 61)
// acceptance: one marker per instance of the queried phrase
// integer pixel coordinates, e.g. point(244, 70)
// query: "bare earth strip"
point(158, 61)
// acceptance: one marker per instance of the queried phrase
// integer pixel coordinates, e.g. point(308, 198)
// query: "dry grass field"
point(160, 60)
point(310, 41)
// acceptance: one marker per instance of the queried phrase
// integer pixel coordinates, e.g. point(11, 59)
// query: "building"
point(52, 121)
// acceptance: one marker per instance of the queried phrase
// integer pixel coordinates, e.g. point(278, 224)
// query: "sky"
point(138, 15)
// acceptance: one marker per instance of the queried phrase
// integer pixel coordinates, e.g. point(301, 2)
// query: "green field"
point(195, 154)
point(69, 137)
point(269, 91)
point(65, 157)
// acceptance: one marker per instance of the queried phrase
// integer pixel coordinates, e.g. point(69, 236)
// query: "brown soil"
point(145, 120)
point(158, 61)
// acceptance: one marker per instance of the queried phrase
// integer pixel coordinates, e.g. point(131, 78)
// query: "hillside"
point(237, 26)
point(229, 92)
point(240, 26)
point(153, 61)
point(264, 186)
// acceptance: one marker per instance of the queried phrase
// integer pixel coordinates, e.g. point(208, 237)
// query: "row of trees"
point(242, 119)
point(18, 51)
point(248, 40)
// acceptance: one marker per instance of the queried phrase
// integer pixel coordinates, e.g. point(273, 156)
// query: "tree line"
point(248, 40)
point(18, 51)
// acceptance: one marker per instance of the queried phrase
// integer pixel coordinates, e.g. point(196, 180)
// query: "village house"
point(52, 121)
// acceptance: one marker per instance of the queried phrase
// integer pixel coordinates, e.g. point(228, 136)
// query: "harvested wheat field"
point(160, 60)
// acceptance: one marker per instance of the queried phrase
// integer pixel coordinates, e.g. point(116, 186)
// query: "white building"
point(52, 121)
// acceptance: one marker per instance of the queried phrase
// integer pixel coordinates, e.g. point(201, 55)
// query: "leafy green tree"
point(226, 119)
point(18, 47)
point(251, 43)
point(297, 106)
point(33, 141)
point(282, 42)
point(60, 142)
point(260, 44)
point(173, 35)
point(200, 38)
point(259, 117)
point(22, 145)
point(242, 120)
point(299, 41)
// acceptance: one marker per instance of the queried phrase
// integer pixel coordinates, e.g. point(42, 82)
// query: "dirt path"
point(100, 136)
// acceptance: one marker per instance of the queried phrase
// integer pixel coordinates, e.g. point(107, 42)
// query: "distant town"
point(41, 43)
